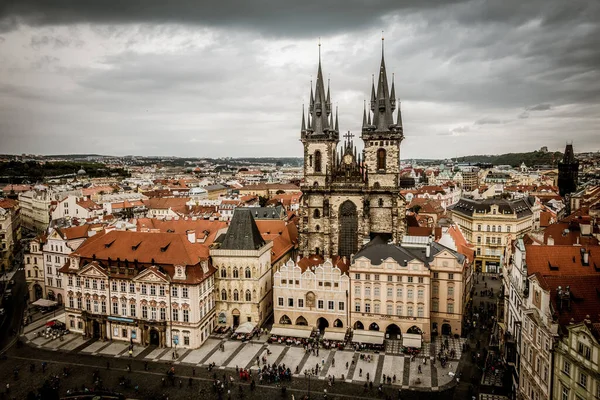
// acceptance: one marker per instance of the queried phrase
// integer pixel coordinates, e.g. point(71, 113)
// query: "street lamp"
point(308, 374)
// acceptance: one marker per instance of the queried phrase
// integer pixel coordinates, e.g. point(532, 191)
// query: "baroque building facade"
point(351, 197)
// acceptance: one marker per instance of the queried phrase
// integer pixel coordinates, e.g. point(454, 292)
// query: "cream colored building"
point(537, 341)
point(416, 288)
point(10, 231)
point(577, 363)
point(35, 209)
point(313, 293)
point(491, 224)
point(244, 285)
point(144, 288)
point(34, 269)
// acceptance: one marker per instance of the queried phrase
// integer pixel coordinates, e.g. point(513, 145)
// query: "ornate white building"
point(146, 288)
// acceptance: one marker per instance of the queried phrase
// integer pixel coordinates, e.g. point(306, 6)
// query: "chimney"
point(428, 247)
point(550, 240)
point(191, 235)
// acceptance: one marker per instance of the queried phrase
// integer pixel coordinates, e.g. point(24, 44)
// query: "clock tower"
point(349, 197)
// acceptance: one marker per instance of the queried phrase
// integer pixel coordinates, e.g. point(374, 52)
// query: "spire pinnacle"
point(303, 129)
point(337, 125)
point(312, 97)
point(393, 94)
point(364, 114)
point(373, 98)
point(382, 44)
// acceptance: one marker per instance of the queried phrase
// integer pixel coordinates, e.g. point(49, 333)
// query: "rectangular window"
point(71, 302)
point(103, 307)
point(116, 332)
point(357, 290)
point(301, 303)
point(398, 310)
point(435, 305)
point(290, 302)
point(186, 316)
point(450, 308)
point(409, 311)
point(389, 309)
point(144, 289)
point(367, 291)
point(87, 283)
point(124, 332)
point(145, 312)
point(123, 309)
point(70, 280)
point(390, 292)
point(367, 277)
point(102, 285)
point(184, 292)
point(132, 288)
point(49, 281)
point(367, 307)
point(161, 290)
point(583, 379)
point(436, 275)
point(450, 291)
point(320, 304)
point(78, 281)
point(94, 284)
point(331, 305)
point(357, 277)
point(132, 310)
point(451, 277)
point(152, 290)
point(122, 286)
point(390, 278)
point(163, 314)
point(174, 291)
point(420, 293)
point(410, 293)
point(376, 277)
point(357, 307)
point(79, 305)
point(153, 313)
point(410, 279)
point(280, 301)
point(341, 306)
point(88, 304)
point(398, 278)
point(399, 293)
point(115, 308)
point(113, 286)
point(420, 311)
point(376, 291)
point(421, 279)
point(186, 340)
point(435, 289)
point(584, 350)
point(376, 309)
point(175, 314)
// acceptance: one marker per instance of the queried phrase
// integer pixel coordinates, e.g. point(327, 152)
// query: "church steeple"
point(320, 117)
point(382, 115)
point(303, 129)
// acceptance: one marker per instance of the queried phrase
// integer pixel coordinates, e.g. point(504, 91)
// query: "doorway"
point(393, 332)
point(236, 317)
point(446, 329)
point(95, 329)
point(154, 337)
point(322, 323)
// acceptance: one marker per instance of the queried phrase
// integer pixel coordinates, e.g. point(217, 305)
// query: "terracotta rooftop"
point(205, 229)
point(316, 259)
point(562, 260)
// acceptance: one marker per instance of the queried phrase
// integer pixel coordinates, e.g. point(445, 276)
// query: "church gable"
point(92, 270)
point(152, 276)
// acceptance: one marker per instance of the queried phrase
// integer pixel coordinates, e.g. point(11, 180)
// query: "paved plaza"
point(344, 365)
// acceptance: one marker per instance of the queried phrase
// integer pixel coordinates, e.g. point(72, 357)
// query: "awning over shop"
point(411, 340)
point(370, 337)
point(291, 332)
point(246, 327)
point(334, 335)
point(44, 303)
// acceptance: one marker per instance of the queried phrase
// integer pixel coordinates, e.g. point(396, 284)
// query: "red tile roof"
point(204, 228)
point(565, 260)
point(584, 299)
point(314, 260)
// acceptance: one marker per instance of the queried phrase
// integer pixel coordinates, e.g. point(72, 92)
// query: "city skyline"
point(197, 80)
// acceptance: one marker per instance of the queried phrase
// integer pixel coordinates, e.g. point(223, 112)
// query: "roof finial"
point(382, 40)
point(319, 49)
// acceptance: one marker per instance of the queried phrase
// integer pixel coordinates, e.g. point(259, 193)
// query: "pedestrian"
point(346, 364)
point(360, 372)
point(419, 369)
point(130, 353)
point(7, 388)
point(333, 362)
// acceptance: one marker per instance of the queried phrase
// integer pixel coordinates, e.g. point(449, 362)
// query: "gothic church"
point(351, 197)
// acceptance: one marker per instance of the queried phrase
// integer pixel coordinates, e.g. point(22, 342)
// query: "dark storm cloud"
point(282, 18)
point(56, 42)
point(540, 107)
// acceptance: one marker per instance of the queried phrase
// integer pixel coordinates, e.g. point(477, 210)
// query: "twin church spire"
point(319, 121)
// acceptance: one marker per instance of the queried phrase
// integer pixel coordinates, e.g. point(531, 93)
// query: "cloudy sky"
point(228, 78)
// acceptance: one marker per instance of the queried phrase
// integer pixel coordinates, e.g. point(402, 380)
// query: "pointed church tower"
point(381, 134)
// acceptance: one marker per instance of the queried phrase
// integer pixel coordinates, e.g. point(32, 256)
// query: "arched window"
point(381, 159)
point(493, 228)
point(236, 274)
point(223, 273)
point(380, 202)
point(236, 295)
point(499, 228)
point(317, 161)
point(248, 295)
point(317, 213)
point(223, 295)
point(247, 273)
point(310, 160)
point(317, 228)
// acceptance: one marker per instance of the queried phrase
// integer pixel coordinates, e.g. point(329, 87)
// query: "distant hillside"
point(515, 159)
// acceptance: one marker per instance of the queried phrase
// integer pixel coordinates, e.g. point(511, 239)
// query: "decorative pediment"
point(92, 270)
point(151, 275)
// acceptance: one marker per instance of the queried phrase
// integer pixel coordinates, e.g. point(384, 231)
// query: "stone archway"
point(38, 292)
point(338, 323)
point(358, 325)
point(414, 329)
point(446, 329)
point(59, 299)
point(393, 331)
point(285, 320)
point(374, 327)
point(301, 321)
point(322, 324)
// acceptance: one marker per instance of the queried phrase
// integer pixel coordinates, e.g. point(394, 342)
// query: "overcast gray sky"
point(199, 78)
